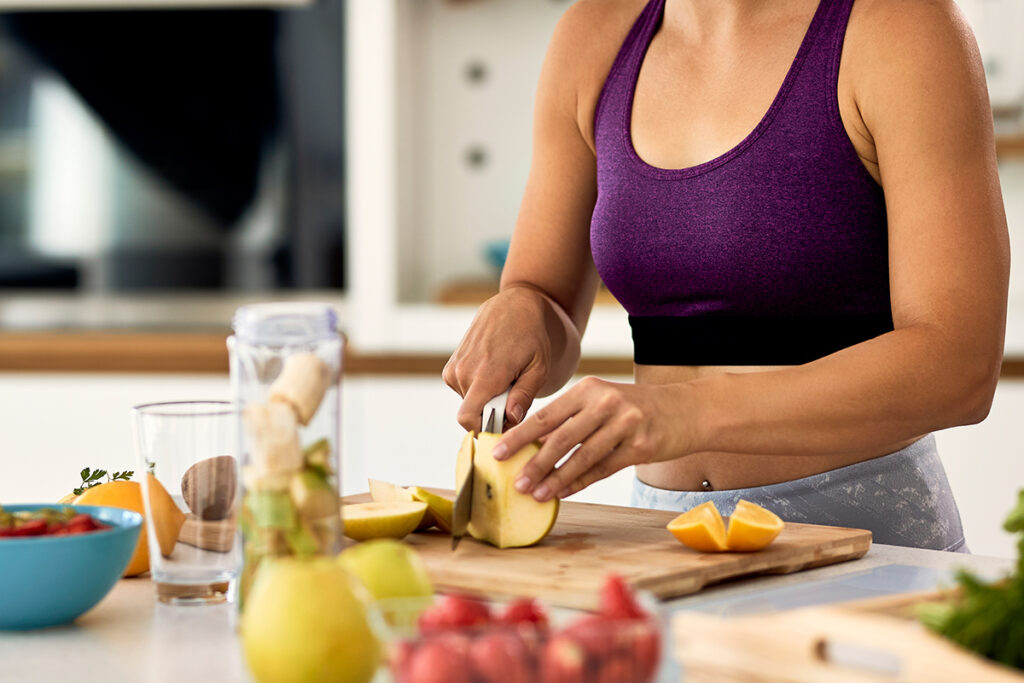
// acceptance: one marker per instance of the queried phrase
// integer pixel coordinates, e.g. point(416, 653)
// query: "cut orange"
point(752, 527)
point(701, 528)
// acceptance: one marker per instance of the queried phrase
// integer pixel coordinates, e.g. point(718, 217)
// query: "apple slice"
point(501, 515)
point(395, 519)
point(386, 492)
point(437, 506)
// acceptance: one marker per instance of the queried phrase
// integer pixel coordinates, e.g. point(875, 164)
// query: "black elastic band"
point(735, 340)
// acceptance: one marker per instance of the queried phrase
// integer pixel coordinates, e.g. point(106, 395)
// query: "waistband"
point(749, 340)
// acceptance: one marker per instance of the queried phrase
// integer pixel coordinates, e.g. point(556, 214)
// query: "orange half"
point(751, 527)
point(700, 528)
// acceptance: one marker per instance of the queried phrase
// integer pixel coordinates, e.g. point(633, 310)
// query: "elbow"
point(974, 400)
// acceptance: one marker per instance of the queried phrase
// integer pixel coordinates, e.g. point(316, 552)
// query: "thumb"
point(522, 392)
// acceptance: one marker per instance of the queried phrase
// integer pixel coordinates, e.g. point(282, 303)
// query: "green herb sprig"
point(987, 618)
point(92, 478)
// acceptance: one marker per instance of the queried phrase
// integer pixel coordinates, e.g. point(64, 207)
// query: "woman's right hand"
point(508, 346)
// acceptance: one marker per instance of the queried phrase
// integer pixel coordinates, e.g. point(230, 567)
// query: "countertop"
point(129, 637)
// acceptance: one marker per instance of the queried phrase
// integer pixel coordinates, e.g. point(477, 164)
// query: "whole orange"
point(128, 496)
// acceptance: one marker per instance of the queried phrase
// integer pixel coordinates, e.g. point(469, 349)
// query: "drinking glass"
point(190, 493)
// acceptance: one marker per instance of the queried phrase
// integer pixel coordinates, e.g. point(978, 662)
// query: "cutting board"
point(568, 567)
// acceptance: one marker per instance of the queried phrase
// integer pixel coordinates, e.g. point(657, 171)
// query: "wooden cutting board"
point(588, 541)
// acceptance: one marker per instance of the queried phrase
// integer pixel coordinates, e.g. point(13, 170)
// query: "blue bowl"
point(51, 580)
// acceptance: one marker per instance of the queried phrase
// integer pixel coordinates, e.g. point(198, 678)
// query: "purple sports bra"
point(774, 253)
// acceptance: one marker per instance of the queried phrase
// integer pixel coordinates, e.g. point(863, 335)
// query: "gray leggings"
point(903, 498)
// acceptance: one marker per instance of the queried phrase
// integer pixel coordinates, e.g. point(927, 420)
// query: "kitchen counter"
point(129, 637)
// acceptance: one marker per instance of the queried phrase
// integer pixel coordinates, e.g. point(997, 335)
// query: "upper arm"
point(550, 247)
point(920, 88)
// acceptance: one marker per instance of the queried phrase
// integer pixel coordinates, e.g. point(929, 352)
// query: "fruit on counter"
point(501, 515)
point(441, 660)
point(305, 622)
point(388, 569)
point(209, 487)
point(273, 438)
point(523, 611)
point(303, 381)
point(386, 492)
point(700, 528)
point(364, 521)
point(752, 527)
point(127, 495)
point(502, 656)
point(563, 661)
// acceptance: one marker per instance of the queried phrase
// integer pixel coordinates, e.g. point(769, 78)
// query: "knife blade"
point(492, 420)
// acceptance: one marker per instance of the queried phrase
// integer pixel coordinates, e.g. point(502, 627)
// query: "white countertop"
point(129, 637)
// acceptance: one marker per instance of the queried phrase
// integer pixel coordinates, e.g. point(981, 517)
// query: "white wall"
point(402, 430)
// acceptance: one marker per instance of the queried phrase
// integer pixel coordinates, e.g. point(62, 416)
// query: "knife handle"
point(497, 404)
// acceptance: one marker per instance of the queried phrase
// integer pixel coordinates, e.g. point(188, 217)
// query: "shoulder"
point(907, 58)
point(911, 38)
point(583, 48)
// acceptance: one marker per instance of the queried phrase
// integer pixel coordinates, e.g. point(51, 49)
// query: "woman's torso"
point(699, 93)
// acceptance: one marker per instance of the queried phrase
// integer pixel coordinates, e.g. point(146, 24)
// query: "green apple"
point(303, 621)
point(501, 515)
point(364, 521)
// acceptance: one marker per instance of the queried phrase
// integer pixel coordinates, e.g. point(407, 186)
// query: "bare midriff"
point(717, 471)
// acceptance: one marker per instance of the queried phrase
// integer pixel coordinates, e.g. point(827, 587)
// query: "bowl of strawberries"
point(57, 562)
point(465, 639)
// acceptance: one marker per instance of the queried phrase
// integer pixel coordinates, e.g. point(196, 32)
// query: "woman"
point(797, 203)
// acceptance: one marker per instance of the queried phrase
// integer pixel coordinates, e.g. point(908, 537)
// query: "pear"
point(386, 492)
point(438, 507)
point(382, 520)
point(501, 515)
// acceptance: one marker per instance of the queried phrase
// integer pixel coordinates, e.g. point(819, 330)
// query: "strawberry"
point(524, 610)
point(435, 661)
point(564, 661)
point(646, 649)
point(501, 656)
point(618, 600)
point(617, 669)
point(33, 527)
point(454, 611)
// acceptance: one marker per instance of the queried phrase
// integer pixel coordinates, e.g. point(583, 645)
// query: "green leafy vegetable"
point(987, 618)
point(91, 478)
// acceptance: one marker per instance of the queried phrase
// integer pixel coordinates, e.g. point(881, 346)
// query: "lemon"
point(382, 520)
point(752, 527)
point(700, 528)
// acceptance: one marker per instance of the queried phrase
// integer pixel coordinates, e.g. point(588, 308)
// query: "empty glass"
point(190, 493)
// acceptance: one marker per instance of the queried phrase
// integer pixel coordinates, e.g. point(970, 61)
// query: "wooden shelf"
point(1010, 146)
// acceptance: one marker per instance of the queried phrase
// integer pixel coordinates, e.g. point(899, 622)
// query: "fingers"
point(592, 455)
point(482, 390)
point(522, 393)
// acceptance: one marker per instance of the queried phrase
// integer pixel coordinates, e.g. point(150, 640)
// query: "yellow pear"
point(386, 492)
point(439, 507)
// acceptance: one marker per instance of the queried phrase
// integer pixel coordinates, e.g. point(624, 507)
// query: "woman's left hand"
point(614, 425)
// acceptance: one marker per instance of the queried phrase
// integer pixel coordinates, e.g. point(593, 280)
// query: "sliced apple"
point(501, 515)
point(386, 492)
point(439, 507)
point(465, 457)
point(395, 519)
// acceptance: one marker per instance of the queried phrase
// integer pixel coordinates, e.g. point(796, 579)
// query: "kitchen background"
point(160, 167)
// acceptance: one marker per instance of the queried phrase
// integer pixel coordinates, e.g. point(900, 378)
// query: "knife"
point(491, 420)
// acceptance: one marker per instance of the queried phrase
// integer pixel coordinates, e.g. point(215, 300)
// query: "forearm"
point(902, 384)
